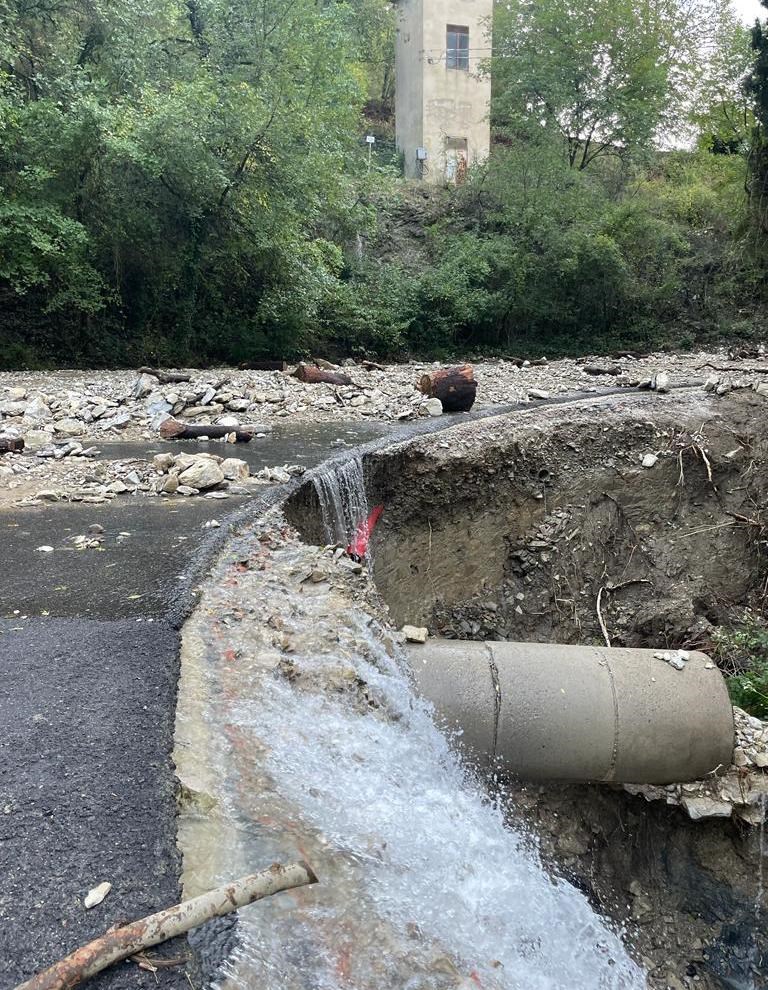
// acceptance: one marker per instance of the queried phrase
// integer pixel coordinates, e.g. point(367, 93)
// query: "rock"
point(69, 427)
point(537, 393)
point(761, 760)
point(144, 385)
point(723, 389)
point(740, 758)
point(163, 462)
point(48, 496)
point(434, 407)
point(10, 408)
point(203, 473)
point(97, 894)
point(212, 410)
point(235, 469)
point(762, 389)
point(36, 438)
point(118, 422)
point(415, 634)
point(228, 421)
point(358, 400)
point(238, 405)
point(711, 383)
point(37, 411)
point(660, 382)
point(706, 807)
point(16, 393)
point(45, 549)
point(649, 460)
point(169, 484)
point(118, 487)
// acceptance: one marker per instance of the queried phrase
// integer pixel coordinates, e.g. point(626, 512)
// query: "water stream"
point(343, 501)
point(300, 736)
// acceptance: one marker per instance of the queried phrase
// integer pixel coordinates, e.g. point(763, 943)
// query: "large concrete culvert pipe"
point(580, 713)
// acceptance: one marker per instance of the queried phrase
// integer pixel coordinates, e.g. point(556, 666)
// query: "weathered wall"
point(435, 104)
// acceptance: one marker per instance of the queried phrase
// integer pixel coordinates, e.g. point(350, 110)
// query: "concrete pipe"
point(579, 712)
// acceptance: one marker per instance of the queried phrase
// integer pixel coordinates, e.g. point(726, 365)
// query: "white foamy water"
point(422, 885)
point(343, 502)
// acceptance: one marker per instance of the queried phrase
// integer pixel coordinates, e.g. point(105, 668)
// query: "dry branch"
point(139, 935)
point(600, 618)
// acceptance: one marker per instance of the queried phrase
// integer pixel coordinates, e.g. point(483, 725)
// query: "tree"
point(603, 74)
point(756, 88)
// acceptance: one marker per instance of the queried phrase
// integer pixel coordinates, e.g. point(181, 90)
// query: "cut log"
point(263, 366)
point(311, 375)
point(173, 429)
point(11, 445)
point(454, 387)
point(166, 377)
point(373, 366)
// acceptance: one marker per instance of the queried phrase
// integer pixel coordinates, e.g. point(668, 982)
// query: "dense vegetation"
point(185, 181)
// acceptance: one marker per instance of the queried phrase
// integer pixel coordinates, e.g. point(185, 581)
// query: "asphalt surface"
point(86, 788)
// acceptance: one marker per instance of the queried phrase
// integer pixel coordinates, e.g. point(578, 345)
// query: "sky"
point(748, 10)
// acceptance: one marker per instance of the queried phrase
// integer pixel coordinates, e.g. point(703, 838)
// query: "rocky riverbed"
point(64, 416)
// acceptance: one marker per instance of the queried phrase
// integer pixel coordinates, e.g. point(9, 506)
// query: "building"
point(442, 101)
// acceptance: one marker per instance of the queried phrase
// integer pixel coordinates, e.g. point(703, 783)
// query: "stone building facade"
point(442, 99)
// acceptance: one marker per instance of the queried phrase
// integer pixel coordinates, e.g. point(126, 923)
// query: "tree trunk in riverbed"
point(454, 387)
point(311, 375)
point(172, 429)
point(166, 377)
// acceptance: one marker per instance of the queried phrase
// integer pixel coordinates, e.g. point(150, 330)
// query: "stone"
point(17, 393)
point(711, 383)
point(238, 405)
point(37, 411)
point(118, 422)
point(117, 487)
point(11, 408)
point(144, 385)
point(97, 894)
point(723, 389)
point(537, 393)
point(660, 382)
point(761, 760)
point(740, 758)
point(163, 462)
point(649, 460)
point(203, 473)
point(235, 469)
point(69, 427)
point(211, 410)
point(169, 484)
point(762, 389)
point(358, 400)
point(415, 634)
point(36, 438)
point(228, 421)
point(706, 807)
point(434, 407)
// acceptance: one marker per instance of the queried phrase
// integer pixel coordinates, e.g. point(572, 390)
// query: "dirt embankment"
point(511, 529)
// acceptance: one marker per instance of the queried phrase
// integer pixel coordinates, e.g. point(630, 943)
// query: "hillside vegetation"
point(186, 182)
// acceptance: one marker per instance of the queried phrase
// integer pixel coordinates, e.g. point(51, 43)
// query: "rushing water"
point(343, 501)
point(318, 748)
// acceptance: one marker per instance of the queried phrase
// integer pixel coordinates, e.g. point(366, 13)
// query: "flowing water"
point(343, 501)
point(300, 736)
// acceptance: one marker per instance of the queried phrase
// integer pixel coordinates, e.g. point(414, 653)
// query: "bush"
point(742, 654)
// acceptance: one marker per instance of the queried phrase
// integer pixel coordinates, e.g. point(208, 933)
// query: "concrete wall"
point(437, 107)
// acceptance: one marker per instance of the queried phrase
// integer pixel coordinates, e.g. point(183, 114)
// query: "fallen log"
point(166, 377)
point(174, 429)
point(262, 366)
point(373, 366)
point(311, 375)
point(751, 370)
point(455, 387)
point(120, 943)
point(11, 445)
point(599, 369)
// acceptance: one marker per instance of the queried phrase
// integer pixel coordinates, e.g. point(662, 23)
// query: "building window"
point(457, 47)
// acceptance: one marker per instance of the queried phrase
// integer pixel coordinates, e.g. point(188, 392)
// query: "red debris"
point(358, 548)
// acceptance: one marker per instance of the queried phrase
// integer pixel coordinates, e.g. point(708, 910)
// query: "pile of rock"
point(190, 474)
point(739, 791)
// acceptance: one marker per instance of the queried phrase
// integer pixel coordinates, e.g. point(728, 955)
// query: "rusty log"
point(312, 375)
point(166, 377)
point(174, 429)
point(454, 387)
point(120, 943)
